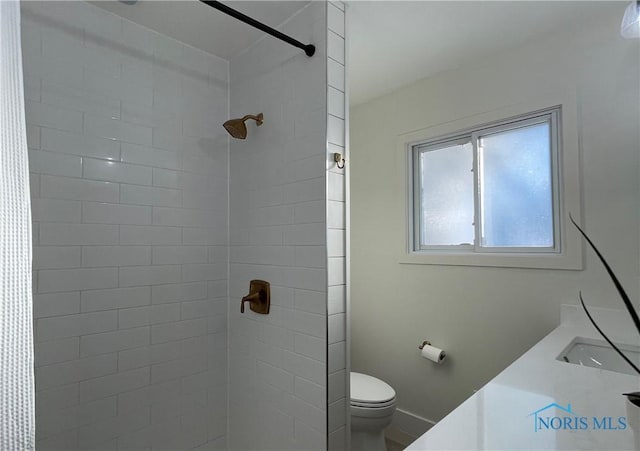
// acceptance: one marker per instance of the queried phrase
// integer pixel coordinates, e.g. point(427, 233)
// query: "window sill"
point(565, 261)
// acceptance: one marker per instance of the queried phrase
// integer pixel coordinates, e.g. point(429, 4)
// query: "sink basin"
point(598, 354)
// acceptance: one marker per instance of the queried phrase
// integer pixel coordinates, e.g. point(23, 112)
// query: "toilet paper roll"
point(432, 353)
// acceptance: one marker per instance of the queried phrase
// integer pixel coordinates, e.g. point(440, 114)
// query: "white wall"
point(278, 362)
point(486, 317)
point(129, 195)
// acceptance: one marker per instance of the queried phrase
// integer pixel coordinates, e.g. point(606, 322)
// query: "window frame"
point(472, 136)
point(448, 124)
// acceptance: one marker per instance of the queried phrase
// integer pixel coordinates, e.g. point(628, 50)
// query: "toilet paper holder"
point(424, 343)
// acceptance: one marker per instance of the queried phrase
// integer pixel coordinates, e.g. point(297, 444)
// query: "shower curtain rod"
point(309, 49)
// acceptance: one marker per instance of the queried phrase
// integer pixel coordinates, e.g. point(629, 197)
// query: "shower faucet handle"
point(259, 297)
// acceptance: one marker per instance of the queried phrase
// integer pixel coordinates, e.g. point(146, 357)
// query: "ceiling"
point(391, 43)
point(203, 27)
point(394, 43)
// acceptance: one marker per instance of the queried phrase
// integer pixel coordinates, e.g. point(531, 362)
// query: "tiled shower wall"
point(278, 362)
point(129, 195)
point(338, 381)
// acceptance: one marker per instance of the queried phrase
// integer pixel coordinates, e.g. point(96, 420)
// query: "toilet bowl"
point(372, 405)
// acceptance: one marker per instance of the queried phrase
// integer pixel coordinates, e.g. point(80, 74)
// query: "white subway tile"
point(52, 280)
point(114, 341)
point(305, 367)
point(308, 212)
point(335, 130)
point(336, 328)
point(336, 302)
point(135, 87)
point(78, 189)
point(59, 141)
point(74, 416)
point(75, 325)
point(141, 235)
point(116, 172)
point(145, 316)
point(310, 301)
point(306, 190)
point(305, 234)
point(311, 393)
point(115, 129)
point(93, 256)
point(149, 275)
point(337, 386)
point(146, 195)
point(335, 19)
point(337, 357)
point(102, 387)
point(179, 330)
point(167, 216)
point(133, 153)
point(115, 298)
point(198, 272)
point(56, 351)
point(309, 346)
point(336, 271)
point(56, 257)
point(335, 47)
point(91, 101)
point(167, 137)
point(74, 371)
point(52, 400)
point(56, 304)
point(195, 309)
point(335, 215)
point(145, 115)
point(337, 415)
point(77, 234)
point(335, 73)
point(310, 323)
point(335, 243)
point(43, 162)
point(167, 255)
point(53, 117)
point(310, 256)
point(335, 103)
point(104, 434)
point(161, 294)
point(102, 213)
point(33, 137)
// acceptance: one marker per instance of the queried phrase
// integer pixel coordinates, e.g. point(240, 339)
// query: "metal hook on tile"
point(337, 157)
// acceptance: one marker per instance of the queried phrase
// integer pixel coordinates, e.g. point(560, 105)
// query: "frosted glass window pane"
point(446, 183)
point(516, 188)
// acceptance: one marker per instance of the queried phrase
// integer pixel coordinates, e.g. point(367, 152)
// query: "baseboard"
point(406, 427)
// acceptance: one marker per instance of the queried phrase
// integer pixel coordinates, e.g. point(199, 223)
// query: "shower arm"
point(309, 49)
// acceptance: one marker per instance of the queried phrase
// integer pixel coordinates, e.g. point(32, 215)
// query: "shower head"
point(237, 127)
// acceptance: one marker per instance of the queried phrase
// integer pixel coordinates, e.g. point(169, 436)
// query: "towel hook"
point(337, 157)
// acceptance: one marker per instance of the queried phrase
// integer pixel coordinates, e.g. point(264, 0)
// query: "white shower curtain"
point(17, 428)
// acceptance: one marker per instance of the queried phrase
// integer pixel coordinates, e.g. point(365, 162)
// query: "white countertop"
point(497, 417)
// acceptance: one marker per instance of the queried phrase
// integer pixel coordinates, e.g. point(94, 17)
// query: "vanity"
point(555, 396)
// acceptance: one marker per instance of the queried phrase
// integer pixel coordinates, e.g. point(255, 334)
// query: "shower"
point(237, 127)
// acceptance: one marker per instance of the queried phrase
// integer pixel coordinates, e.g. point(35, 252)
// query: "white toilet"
point(372, 405)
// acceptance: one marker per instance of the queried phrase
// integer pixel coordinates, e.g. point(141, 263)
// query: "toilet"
point(372, 405)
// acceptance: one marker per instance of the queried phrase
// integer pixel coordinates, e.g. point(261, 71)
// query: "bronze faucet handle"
point(259, 297)
point(250, 298)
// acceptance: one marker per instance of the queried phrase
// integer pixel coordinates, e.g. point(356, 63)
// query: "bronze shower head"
point(237, 127)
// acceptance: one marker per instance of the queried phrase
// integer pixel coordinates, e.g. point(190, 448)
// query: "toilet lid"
point(367, 390)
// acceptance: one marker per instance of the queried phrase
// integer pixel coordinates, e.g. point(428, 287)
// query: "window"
point(490, 189)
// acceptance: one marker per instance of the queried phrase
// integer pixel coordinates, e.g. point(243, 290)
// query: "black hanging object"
point(309, 49)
